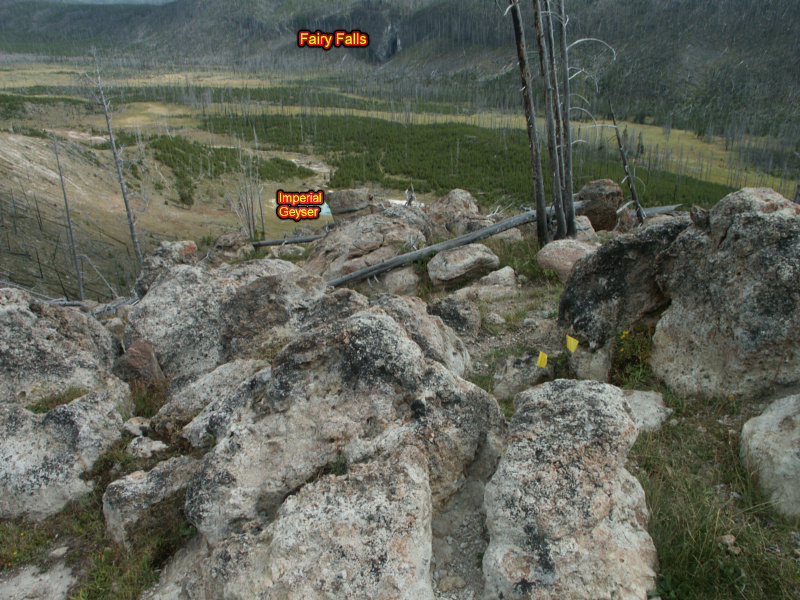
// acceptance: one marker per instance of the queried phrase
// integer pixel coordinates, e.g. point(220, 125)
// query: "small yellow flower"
point(15, 552)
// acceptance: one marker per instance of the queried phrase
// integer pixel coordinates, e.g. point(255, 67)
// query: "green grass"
point(148, 398)
point(680, 468)
point(630, 367)
point(49, 403)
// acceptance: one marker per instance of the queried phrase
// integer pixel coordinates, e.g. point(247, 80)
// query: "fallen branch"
point(289, 240)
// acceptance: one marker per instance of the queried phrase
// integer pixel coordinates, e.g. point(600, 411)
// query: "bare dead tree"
point(73, 249)
point(569, 204)
point(628, 175)
point(100, 97)
point(549, 109)
point(530, 120)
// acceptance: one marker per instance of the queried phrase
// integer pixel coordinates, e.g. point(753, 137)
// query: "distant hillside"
point(712, 65)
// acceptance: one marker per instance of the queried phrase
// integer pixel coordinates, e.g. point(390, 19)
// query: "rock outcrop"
point(565, 519)
point(45, 350)
point(139, 363)
point(561, 255)
point(451, 266)
point(457, 213)
point(163, 258)
point(42, 457)
point(350, 205)
point(229, 247)
point(519, 373)
point(734, 282)
point(462, 316)
point(647, 409)
point(200, 318)
point(769, 449)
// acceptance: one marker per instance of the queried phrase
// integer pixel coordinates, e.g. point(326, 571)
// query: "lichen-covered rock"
point(31, 583)
point(566, 520)
point(450, 266)
point(413, 216)
point(734, 281)
point(404, 282)
point(457, 213)
point(364, 535)
point(616, 286)
point(361, 244)
point(561, 255)
point(42, 457)
point(769, 448)
point(163, 258)
point(437, 341)
point(230, 247)
point(519, 373)
point(353, 387)
point(602, 200)
point(504, 277)
point(45, 350)
point(350, 205)
point(200, 318)
point(462, 316)
point(585, 231)
point(145, 447)
point(647, 409)
point(190, 400)
point(126, 501)
point(139, 363)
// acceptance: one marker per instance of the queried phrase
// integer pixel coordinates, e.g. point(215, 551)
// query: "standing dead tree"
point(74, 251)
point(569, 204)
point(530, 120)
point(628, 175)
point(100, 97)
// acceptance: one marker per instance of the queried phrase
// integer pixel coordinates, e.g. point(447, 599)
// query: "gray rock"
point(45, 350)
point(561, 255)
point(504, 277)
point(42, 457)
point(647, 409)
point(354, 387)
point(350, 205)
point(509, 235)
point(616, 286)
point(145, 447)
point(769, 448)
point(734, 281)
point(494, 319)
point(593, 366)
point(139, 364)
point(518, 374)
point(457, 213)
point(200, 318)
point(137, 426)
point(116, 326)
point(461, 315)
point(190, 400)
point(229, 247)
point(127, 500)
point(453, 265)
point(604, 198)
point(404, 282)
point(586, 232)
point(30, 583)
point(166, 256)
point(565, 519)
point(361, 244)
point(414, 217)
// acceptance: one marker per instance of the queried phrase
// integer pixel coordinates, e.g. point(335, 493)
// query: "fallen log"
point(475, 236)
point(289, 240)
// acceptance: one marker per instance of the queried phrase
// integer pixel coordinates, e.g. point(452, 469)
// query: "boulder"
point(116, 326)
point(145, 447)
point(503, 277)
point(32, 583)
point(348, 389)
point(769, 446)
point(139, 363)
point(45, 350)
point(519, 373)
point(360, 244)
point(457, 213)
point(230, 247)
point(43, 457)
point(647, 409)
point(163, 258)
point(509, 235)
point(414, 217)
point(462, 316)
point(586, 232)
point(137, 426)
point(186, 403)
point(616, 286)
point(561, 255)
point(404, 282)
point(128, 500)
point(350, 205)
point(453, 265)
point(200, 318)
point(592, 365)
point(603, 197)
point(734, 280)
point(565, 519)
point(436, 340)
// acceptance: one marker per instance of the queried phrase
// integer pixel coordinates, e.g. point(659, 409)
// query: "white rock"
point(144, 447)
point(769, 448)
point(647, 409)
point(561, 255)
point(452, 265)
point(31, 584)
point(494, 319)
point(504, 276)
point(137, 426)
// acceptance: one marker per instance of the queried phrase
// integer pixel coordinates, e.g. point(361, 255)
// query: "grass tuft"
point(148, 398)
point(45, 405)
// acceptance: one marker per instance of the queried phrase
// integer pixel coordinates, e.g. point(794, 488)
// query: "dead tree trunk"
point(544, 64)
point(631, 183)
point(530, 120)
point(118, 162)
point(569, 205)
point(74, 251)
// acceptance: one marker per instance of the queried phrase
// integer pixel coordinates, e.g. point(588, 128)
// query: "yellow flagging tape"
point(542, 362)
point(572, 344)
